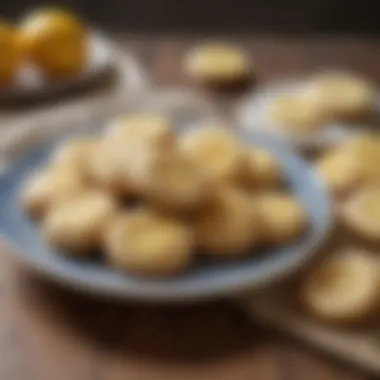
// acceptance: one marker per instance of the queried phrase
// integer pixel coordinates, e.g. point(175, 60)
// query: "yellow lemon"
point(55, 41)
point(9, 55)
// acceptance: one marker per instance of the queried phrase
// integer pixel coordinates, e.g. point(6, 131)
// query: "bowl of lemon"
point(51, 51)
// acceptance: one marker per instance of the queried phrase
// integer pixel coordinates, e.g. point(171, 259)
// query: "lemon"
point(9, 54)
point(54, 40)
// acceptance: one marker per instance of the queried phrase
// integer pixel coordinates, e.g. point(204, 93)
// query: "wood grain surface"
point(48, 333)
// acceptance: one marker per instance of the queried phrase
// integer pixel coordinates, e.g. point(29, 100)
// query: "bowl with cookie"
point(142, 209)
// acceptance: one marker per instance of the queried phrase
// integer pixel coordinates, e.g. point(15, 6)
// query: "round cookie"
point(105, 172)
point(296, 113)
point(361, 213)
point(281, 218)
point(218, 66)
point(145, 243)
point(133, 137)
point(340, 172)
point(170, 181)
point(133, 130)
point(49, 186)
point(343, 96)
point(77, 225)
point(77, 153)
point(365, 151)
point(214, 150)
point(228, 226)
point(344, 289)
point(262, 170)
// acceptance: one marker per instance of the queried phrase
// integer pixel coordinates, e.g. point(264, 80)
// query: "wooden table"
point(47, 333)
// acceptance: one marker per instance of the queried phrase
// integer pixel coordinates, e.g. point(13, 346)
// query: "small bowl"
point(202, 280)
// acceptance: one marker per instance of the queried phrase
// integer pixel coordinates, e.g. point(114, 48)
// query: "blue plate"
point(204, 279)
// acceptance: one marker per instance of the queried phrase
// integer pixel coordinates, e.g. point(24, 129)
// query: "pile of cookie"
point(321, 100)
point(346, 287)
point(151, 200)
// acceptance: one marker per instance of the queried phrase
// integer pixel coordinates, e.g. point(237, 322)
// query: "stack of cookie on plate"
point(151, 200)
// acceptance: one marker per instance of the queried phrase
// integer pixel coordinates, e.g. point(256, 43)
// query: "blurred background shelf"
point(294, 16)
